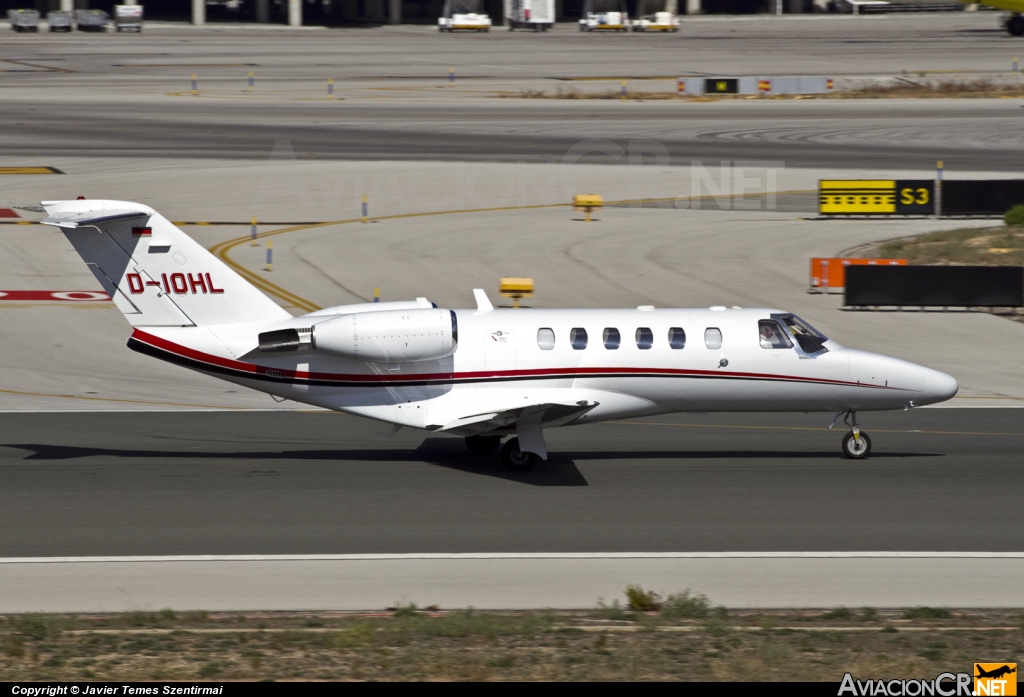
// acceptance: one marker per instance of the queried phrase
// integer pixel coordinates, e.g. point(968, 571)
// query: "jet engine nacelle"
point(391, 336)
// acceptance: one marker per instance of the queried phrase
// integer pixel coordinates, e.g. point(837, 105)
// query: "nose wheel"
point(856, 443)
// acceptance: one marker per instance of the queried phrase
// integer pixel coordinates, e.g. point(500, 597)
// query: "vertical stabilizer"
point(156, 274)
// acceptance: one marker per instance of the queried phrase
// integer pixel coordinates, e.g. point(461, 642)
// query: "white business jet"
point(482, 373)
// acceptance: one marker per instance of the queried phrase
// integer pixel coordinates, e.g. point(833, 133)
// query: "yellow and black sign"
point(876, 197)
point(995, 679)
point(721, 85)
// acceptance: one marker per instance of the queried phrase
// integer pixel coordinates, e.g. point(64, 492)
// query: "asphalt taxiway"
point(176, 483)
point(270, 511)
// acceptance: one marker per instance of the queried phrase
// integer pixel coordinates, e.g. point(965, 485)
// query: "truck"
point(127, 18)
point(604, 15)
point(538, 15)
point(23, 20)
point(91, 20)
point(59, 21)
point(464, 15)
point(656, 15)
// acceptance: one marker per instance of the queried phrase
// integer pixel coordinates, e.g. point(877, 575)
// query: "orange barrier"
point(829, 273)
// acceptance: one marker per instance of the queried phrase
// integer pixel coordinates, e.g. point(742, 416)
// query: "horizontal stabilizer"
point(73, 219)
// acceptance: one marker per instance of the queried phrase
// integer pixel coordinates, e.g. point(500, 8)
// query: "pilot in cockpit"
point(771, 336)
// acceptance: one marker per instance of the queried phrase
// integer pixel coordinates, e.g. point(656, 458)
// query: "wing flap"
point(545, 415)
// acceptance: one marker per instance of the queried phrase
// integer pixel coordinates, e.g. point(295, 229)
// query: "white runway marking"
point(511, 555)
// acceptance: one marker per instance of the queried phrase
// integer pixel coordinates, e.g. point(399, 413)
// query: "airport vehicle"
point(483, 373)
point(604, 15)
point(1013, 22)
point(23, 20)
point(656, 15)
point(538, 15)
point(464, 15)
point(91, 20)
point(128, 18)
point(59, 21)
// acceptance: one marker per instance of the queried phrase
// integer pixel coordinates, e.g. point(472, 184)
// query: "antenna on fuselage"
point(483, 303)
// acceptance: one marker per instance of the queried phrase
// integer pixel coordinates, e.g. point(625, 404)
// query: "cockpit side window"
point(811, 341)
point(771, 336)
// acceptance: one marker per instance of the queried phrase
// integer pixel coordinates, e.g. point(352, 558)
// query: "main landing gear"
point(856, 444)
point(514, 459)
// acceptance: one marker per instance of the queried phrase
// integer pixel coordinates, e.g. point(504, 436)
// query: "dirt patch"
point(999, 246)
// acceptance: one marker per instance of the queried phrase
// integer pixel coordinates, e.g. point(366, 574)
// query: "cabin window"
point(611, 338)
point(644, 338)
point(771, 335)
point(676, 338)
point(713, 338)
point(578, 338)
point(546, 339)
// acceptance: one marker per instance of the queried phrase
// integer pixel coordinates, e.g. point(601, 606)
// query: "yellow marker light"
point(516, 288)
point(587, 203)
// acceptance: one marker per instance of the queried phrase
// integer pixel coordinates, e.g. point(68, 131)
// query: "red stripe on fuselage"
point(258, 371)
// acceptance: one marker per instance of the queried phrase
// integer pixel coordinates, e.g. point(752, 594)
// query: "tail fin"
point(156, 274)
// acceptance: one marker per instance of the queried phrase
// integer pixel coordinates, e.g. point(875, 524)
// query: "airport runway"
point(187, 483)
point(131, 95)
point(977, 134)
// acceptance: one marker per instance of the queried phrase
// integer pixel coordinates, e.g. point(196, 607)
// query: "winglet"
point(483, 303)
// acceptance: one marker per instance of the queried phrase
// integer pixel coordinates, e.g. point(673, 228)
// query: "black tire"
point(514, 459)
point(483, 445)
point(1015, 26)
point(859, 449)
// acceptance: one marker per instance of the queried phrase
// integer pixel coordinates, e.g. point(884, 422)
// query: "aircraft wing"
point(73, 219)
point(547, 414)
point(527, 421)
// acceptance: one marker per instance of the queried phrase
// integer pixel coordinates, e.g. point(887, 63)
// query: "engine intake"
point(283, 340)
point(391, 336)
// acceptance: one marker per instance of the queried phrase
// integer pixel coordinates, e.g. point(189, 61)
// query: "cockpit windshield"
point(811, 341)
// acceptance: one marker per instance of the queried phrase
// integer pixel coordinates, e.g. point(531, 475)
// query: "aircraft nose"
point(937, 387)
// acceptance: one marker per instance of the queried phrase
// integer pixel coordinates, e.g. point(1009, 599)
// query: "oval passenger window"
point(644, 338)
point(546, 339)
point(676, 337)
point(713, 338)
point(612, 338)
point(578, 338)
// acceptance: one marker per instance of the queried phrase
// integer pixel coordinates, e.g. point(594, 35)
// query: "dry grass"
point(896, 88)
point(574, 93)
point(1000, 246)
point(933, 89)
point(466, 645)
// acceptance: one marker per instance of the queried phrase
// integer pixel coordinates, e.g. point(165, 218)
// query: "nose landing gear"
point(856, 444)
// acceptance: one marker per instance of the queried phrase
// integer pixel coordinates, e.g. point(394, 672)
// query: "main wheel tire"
point(514, 459)
point(483, 445)
point(856, 449)
point(1016, 26)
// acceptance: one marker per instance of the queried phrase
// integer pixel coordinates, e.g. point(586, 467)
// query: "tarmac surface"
point(178, 483)
point(393, 101)
point(468, 182)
